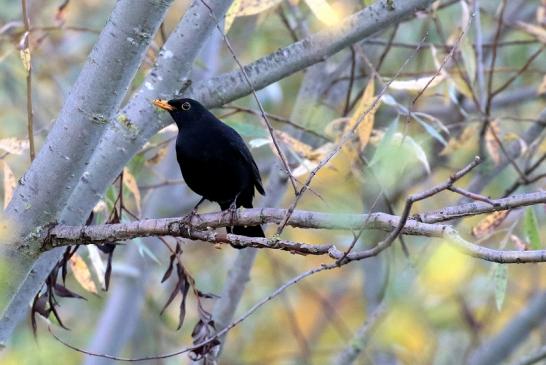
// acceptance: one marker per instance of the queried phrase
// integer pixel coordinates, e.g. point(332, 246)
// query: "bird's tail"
point(249, 231)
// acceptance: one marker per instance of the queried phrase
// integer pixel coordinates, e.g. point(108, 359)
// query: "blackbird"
point(214, 160)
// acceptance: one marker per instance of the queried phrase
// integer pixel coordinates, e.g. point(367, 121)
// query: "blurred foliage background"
point(441, 305)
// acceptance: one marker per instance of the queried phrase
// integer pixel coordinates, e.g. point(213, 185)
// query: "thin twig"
point(344, 139)
point(260, 106)
point(25, 50)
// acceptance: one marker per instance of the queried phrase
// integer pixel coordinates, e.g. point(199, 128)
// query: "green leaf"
point(530, 226)
point(501, 281)
point(385, 143)
point(431, 130)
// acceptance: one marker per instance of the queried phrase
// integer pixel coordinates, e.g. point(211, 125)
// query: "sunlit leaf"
point(258, 142)
point(14, 145)
point(530, 226)
point(82, 274)
point(323, 11)
point(10, 183)
point(245, 8)
point(131, 183)
point(501, 283)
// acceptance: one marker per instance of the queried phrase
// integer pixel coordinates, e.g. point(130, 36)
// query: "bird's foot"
point(188, 219)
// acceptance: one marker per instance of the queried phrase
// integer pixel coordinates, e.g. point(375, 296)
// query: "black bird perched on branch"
point(214, 160)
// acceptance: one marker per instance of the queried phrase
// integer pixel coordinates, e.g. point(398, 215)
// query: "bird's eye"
point(186, 106)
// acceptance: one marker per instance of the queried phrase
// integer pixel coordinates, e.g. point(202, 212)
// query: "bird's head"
point(183, 111)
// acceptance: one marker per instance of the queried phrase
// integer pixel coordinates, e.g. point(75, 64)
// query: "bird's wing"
point(245, 154)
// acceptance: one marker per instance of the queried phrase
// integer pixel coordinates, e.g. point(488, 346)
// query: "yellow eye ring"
point(186, 106)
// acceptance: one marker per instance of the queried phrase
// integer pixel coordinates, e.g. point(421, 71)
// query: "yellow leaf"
point(364, 129)
point(14, 145)
point(302, 149)
point(245, 8)
point(489, 223)
point(10, 183)
point(130, 182)
point(25, 58)
point(323, 11)
point(82, 274)
point(491, 143)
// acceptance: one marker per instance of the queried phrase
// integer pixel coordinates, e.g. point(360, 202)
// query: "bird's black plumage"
point(214, 159)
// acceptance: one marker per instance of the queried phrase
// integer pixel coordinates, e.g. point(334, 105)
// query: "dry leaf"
point(245, 8)
point(10, 183)
point(130, 182)
point(14, 145)
point(82, 274)
point(365, 127)
point(158, 156)
point(302, 149)
point(489, 223)
point(491, 144)
point(519, 243)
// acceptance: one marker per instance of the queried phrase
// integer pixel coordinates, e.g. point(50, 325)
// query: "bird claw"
point(193, 214)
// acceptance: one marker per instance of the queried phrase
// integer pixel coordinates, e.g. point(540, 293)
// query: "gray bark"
point(45, 188)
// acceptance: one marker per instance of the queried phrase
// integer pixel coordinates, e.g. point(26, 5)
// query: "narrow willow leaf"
point(82, 274)
point(385, 143)
point(245, 8)
point(10, 183)
point(430, 130)
point(530, 226)
point(131, 183)
point(501, 282)
point(365, 127)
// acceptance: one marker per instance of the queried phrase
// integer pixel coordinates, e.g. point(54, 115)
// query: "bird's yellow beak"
point(163, 104)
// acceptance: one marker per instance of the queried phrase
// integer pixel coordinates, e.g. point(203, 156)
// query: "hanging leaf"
point(14, 145)
point(489, 223)
point(491, 144)
point(98, 264)
point(10, 183)
point(530, 226)
point(323, 11)
point(455, 144)
point(82, 274)
point(246, 8)
point(130, 182)
point(24, 52)
point(364, 129)
point(501, 282)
